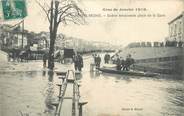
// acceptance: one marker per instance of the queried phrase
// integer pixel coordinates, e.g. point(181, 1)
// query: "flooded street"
point(91, 57)
point(29, 94)
point(25, 93)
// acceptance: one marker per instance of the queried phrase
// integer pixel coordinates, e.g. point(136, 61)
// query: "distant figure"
point(78, 62)
point(94, 58)
point(14, 55)
point(10, 55)
point(59, 57)
point(44, 60)
point(114, 58)
point(122, 63)
point(107, 58)
point(98, 61)
point(93, 64)
point(129, 61)
point(28, 51)
point(21, 55)
point(118, 64)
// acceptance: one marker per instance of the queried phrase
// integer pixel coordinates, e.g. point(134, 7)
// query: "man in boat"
point(114, 58)
point(118, 64)
point(129, 61)
point(122, 63)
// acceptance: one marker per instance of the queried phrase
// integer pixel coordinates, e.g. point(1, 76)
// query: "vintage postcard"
point(91, 57)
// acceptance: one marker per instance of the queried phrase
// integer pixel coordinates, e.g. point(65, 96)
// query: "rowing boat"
point(122, 72)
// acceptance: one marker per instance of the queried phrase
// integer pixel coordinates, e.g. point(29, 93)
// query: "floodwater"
point(30, 93)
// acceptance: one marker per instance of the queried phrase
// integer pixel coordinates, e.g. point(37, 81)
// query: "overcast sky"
point(115, 30)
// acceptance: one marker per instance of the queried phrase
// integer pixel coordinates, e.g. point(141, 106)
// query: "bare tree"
point(65, 12)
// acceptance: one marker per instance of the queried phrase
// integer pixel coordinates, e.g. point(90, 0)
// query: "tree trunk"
point(51, 54)
point(51, 48)
point(53, 34)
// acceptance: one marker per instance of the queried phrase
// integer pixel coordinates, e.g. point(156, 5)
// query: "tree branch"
point(69, 14)
point(46, 11)
point(69, 7)
point(62, 8)
point(51, 20)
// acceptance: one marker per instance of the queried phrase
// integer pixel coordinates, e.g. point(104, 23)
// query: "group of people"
point(77, 60)
point(122, 64)
point(97, 59)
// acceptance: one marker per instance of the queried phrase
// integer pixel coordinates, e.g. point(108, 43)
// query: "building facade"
point(176, 28)
point(19, 40)
point(12, 38)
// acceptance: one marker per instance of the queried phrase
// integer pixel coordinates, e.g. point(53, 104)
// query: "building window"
point(171, 31)
point(180, 26)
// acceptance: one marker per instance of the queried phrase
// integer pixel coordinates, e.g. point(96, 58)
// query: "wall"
point(166, 60)
point(152, 52)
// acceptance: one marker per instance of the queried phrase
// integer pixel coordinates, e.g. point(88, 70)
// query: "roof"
point(16, 32)
point(178, 17)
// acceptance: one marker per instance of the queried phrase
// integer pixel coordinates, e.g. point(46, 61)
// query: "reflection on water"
point(26, 93)
point(49, 93)
point(50, 76)
point(176, 96)
point(119, 95)
point(107, 94)
point(79, 76)
point(94, 74)
point(44, 73)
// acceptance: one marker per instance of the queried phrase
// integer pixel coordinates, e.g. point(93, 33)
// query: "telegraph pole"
point(22, 33)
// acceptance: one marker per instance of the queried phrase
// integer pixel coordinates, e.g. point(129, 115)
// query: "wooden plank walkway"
point(68, 99)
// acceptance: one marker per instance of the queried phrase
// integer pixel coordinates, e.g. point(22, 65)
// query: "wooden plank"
point(69, 97)
point(66, 109)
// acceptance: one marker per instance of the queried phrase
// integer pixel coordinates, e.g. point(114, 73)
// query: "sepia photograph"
point(91, 57)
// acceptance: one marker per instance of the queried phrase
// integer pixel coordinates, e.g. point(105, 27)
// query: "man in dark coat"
point(78, 61)
point(98, 60)
point(129, 61)
point(44, 60)
point(107, 58)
